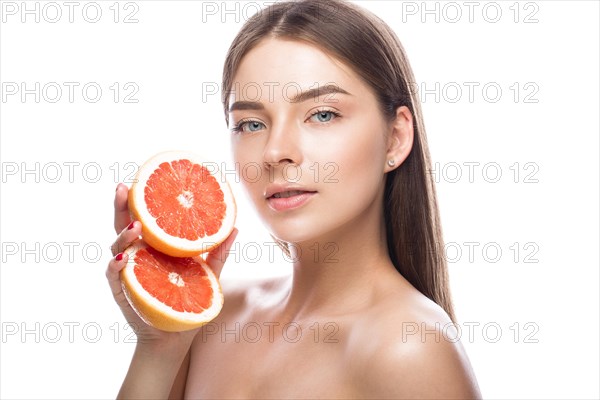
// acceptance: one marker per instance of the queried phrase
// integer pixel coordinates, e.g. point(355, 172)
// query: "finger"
point(115, 266)
point(216, 258)
point(122, 217)
point(127, 236)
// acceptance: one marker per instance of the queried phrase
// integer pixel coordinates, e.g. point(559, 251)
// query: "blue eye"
point(253, 126)
point(248, 126)
point(324, 116)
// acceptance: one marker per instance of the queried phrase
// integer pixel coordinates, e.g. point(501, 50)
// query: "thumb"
point(216, 257)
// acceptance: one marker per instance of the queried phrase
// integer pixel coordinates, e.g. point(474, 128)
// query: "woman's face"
point(309, 141)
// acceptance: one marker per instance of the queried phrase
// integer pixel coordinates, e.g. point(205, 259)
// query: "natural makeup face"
point(309, 141)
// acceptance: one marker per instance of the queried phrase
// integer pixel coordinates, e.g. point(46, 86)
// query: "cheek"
point(358, 155)
point(248, 166)
point(360, 172)
point(250, 169)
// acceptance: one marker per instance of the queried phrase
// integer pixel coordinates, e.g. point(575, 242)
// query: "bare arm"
point(154, 374)
point(178, 389)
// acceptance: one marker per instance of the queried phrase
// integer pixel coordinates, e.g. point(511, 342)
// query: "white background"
point(533, 307)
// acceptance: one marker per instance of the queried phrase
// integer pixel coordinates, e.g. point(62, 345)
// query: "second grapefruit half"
point(173, 294)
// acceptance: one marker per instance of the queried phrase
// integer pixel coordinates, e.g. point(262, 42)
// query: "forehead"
point(278, 68)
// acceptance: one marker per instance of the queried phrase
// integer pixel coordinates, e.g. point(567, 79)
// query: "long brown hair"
point(367, 44)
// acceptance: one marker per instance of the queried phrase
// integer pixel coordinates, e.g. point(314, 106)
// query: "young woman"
point(341, 143)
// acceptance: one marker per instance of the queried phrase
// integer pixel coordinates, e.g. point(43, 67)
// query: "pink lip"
point(289, 203)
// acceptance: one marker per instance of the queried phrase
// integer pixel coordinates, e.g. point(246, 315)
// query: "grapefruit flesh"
point(185, 205)
point(173, 294)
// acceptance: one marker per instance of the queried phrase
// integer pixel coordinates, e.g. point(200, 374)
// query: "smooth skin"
point(345, 324)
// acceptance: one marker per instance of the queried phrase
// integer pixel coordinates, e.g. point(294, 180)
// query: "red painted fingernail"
point(130, 227)
point(119, 257)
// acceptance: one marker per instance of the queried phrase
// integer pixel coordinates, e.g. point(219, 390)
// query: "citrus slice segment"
point(184, 203)
point(173, 294)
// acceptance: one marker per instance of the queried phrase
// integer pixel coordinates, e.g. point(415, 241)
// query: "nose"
point(283, 145)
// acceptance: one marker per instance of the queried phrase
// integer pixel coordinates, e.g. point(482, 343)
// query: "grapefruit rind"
point(159, 315)
point(154, 234)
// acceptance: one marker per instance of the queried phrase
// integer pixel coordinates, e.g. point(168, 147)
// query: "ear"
point(400, 140)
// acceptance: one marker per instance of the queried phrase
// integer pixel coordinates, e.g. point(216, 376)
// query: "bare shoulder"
point(413, 351)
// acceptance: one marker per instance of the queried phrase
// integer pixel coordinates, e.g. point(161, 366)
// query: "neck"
point(337, 274)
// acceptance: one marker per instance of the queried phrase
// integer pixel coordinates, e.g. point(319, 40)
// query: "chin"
point(292, 235)
point(291, 231)
point(304, 231)
point(305, 225)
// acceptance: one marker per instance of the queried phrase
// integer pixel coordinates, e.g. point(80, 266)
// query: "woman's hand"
point(128, 231)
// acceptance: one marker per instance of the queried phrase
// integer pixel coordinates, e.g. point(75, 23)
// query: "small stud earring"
point(391, 162)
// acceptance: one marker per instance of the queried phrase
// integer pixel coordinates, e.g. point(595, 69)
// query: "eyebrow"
point(317, 92)
point(299, 98)
point(246, 105)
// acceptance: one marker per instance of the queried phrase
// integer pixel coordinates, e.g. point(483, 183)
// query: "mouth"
point(289, 193)
point(280, 199)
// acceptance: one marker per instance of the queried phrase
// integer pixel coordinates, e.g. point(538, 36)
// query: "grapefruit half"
point(184, 203)
point(173, 294)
